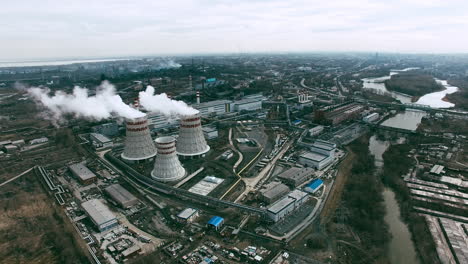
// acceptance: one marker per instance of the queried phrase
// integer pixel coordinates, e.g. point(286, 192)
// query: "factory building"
point(188, 215)
point(10, 149)
point(210, 132)
point(120, 195)
point(100, 141)
point(108, 129)
point(296, 176)
point(281, 208)
point(249, 104)
point(324, 147)
point(315, 131)
point(287, 205)
point(100, 214)
point(273, 191)
point(216, 222)
point(314, 160)
point(313, 186)
point(158, 121)
point(371, 118)
point(38, 141)
point(437, 170)
point(82, 173)
point(333, 115)
point(217, 107)
point(19, 143)
point(299, 197)
point(191, 141)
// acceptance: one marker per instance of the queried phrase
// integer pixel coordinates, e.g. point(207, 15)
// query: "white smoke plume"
point(105, 104)
point(161, 103)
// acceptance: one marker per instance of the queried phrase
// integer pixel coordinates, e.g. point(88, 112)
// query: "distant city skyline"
point(87, 29)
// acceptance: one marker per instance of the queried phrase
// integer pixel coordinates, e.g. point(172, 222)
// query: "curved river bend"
point(434, 100)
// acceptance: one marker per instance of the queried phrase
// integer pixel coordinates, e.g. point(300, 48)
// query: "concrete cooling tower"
point(167, 166)
point(191, 141)
point(138, 143)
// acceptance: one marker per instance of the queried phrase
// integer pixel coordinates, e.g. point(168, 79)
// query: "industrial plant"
point(255, 159)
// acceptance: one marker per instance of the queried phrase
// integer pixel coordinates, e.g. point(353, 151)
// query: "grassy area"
point(412, 83)
point(33, 229)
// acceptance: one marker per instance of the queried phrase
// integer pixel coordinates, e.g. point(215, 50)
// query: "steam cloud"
point(160, 103)
point(105, 104)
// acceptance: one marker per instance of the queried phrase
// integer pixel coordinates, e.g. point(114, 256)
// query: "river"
point(52, 62)
point(434, 100)
point(401, 249)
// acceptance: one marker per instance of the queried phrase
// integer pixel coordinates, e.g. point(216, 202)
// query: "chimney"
point(198, 97)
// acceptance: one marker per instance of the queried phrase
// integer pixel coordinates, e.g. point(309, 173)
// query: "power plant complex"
point(139, 146)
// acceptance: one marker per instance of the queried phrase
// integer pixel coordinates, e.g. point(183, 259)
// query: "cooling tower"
point(138, 142)
point(167, 166)
point(191, 141)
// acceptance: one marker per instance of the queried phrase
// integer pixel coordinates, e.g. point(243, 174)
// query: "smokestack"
point(191, 141)
point(167, 167)
point(138, 142)
point(198, 97)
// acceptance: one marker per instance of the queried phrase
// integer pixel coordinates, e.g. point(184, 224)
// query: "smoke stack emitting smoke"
point(161, 103)
point(105, 104)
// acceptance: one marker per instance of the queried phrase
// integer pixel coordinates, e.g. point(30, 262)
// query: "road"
point(241, 157)
point(250, 183)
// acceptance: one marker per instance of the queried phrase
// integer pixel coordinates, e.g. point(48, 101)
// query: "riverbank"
point(459, 98)
point(361, 212)
point(396, 164)
point(413, 83)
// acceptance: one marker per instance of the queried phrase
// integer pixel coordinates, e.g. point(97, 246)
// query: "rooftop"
point(216, 221)
point(297, 194)
point(211, 103)
point(98, 211)
point(82, 171)
point(296, 173)
point(186, 213)
point(117, 192)
point(101, 138)
point(280, 205)
point(315, 184)
point(313, 156)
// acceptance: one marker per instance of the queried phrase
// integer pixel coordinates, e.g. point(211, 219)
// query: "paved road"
point(250, 183)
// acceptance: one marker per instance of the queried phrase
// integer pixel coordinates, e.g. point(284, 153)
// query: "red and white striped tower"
point(191, 141)
point(167, 167)
point(138, 143)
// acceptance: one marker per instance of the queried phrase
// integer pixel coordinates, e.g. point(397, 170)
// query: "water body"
point(435, 99)
point(401, 249)
point(51, 63)
point(432, 99)
point(409, 119)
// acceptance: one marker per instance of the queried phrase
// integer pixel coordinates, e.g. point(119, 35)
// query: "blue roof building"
point(313, 186)
point(216, 222)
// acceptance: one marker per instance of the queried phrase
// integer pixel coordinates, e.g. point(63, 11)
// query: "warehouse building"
point(313, 186)
point(38, 141)
point(217, 107)
point(158, 121)
point(216, 222)
point(120, 195)
point(281, 208)
point(371, 118)
point(315, 160)
point(210, 132)
point(100, 141)
point(249, 104)
point(296, 176)
point(273, 191)
point(323, 147)
point(187, 215)
point(315, 131)
point(100, 214)
point(299, 197)
point(82, 173)
point(107, 129)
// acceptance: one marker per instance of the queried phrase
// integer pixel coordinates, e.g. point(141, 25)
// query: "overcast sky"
point(99, 28)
